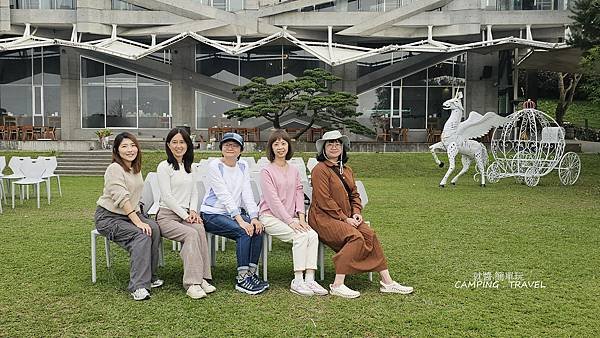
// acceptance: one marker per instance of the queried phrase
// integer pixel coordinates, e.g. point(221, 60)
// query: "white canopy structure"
point(328, 52)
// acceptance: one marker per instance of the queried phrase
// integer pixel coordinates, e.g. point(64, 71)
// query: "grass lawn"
point(434, 240)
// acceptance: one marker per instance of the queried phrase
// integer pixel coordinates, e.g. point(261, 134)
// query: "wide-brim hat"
point(333, 135)
point(232, 137)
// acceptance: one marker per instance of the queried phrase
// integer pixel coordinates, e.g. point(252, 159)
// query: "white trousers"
point(305, 245)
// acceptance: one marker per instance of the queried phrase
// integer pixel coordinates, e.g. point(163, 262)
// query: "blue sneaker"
point(258, 281)
point(247, 285)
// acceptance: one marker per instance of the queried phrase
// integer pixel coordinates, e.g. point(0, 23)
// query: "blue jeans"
point(248, 248)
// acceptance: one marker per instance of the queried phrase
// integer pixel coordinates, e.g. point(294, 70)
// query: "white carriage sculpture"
point(530, 146)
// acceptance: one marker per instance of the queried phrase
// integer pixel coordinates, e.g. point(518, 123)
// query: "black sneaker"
point(259, 282)
point(247, 285)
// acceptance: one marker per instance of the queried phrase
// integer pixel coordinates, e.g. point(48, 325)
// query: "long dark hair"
point(136, 165)
point(321, 156)
point(188, 157)
point(279, 134)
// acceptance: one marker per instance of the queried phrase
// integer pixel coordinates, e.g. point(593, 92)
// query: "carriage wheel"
point(493, 173)
point(532, 177)
point(569, 169)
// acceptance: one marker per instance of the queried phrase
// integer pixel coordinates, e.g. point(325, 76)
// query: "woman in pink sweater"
point(282, 213)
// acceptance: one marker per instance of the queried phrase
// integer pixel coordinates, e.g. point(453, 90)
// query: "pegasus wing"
point(477, 125)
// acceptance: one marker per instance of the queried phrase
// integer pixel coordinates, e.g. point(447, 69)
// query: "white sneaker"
point(157, 283)
point(316, 288)
point(207, 287)
point(395, 288)
point(195, 292)
point(140, 294)
point(300, 288)
point(343, 291)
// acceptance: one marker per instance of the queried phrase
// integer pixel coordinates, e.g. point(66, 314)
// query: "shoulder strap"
point(348, 190)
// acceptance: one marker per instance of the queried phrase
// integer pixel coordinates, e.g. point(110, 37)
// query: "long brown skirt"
point(357, 249)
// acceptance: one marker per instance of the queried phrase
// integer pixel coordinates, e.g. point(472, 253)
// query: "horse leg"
point(432, 149)
point(452, 151)
point(480, 160)
point(466, 163)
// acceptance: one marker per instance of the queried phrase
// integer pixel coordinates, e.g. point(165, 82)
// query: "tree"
point(590, 66)
point(585, 31)
point(565, 94)
point(585, 34)
point(306, 96)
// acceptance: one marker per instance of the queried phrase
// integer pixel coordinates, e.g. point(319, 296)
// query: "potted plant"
point(103, 135)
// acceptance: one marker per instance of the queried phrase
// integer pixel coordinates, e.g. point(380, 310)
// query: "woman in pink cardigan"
point(282, 213)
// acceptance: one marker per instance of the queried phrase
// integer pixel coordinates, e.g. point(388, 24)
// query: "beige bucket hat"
point(333, 135)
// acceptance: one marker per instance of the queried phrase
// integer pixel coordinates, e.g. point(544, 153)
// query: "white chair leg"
point(179, 246)
point(93, 246)
point(48, 190)
point(321, 260)
point(223, 240)
point(174, 245)
point(107, 252)
point(12, 189)
point(37, 189)
point(59, 189)
point(370, 276)
point(161, 253)
point(270, 242)
point(265, 253)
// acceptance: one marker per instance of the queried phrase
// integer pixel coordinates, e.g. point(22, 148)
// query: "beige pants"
point(194, 249)
point(304, 244)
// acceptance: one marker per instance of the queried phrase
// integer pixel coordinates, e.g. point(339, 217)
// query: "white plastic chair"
point(15, 166)
point(51, 164)
point(2, 189)
point(311, 163)
point(364, 199)
point(33, 171)
point(94, 235)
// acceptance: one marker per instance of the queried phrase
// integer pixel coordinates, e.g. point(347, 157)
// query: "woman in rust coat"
point(335, 214)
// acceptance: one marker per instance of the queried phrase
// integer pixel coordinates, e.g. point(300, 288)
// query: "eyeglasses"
point(231, 145)
point(334, 145)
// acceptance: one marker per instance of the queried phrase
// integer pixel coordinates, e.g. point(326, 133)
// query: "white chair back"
point(151, 193)
point(2, 164)
point(364, 199)
point(50, 163)
point(16, 163)
point(201, 193)
point(255, 191)
point(301, 169)
point(262, 162)
point(311, 163)
point(32, 169)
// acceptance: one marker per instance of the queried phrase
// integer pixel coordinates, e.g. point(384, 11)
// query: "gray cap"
point(232, 137)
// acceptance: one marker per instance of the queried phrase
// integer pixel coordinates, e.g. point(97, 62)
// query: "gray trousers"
point(194, 251)
point(143, 249)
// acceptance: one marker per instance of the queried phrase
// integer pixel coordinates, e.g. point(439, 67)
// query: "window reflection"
point(119, 98)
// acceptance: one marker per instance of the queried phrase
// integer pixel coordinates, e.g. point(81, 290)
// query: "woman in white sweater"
point(118, 216)
point(178, 217)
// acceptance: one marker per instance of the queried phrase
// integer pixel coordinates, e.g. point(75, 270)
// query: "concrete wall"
point(482, 93)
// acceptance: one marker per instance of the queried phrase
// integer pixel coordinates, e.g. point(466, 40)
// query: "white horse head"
point(454, 103)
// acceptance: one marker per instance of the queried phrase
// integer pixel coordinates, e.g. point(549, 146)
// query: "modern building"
point(149, 65)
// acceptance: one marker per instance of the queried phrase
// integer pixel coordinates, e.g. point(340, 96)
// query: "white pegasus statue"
point(457, 138)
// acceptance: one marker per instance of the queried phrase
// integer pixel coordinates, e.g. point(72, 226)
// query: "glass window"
point(265, 61)
point(296, 61)
point(413, 107)
point(417, 79)
point(436, 115)
point(217, 64)
point(124, 5)
point(17, 101)
point(92, 107)
point(153, 106)
point(52, 106)
point(16, 67)
point(210, 109)
point(125, 100)
point(440, 74)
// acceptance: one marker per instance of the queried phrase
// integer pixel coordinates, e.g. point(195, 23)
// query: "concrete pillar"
point(70, 120)
point(482, 92)
point(183, 103)
point(4, 15)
